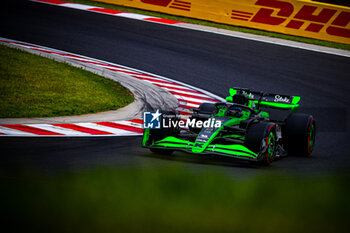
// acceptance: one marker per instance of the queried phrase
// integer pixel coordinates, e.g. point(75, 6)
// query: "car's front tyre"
point(261, 139)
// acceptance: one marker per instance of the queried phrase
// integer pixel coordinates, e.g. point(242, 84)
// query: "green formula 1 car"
point(237, 128)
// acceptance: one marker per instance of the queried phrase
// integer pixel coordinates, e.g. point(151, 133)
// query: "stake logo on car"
point(279, 98)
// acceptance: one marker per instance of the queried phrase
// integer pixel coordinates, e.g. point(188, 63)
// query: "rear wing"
point(268, 100)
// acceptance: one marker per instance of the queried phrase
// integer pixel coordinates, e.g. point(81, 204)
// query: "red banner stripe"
point(29, 129)
point(242, 12)
point(180, 8)
point(82, 129)
point(185, 3)
point(239, 18)
point(242, 16)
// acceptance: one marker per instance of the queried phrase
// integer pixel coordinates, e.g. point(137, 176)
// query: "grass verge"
point(174, 199)
point(217, 25)
point(34, 86)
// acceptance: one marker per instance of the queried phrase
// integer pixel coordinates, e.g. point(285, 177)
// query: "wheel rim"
point(270, 147)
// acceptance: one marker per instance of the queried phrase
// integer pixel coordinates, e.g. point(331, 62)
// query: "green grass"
point(34, 86)
point(174, 199)
point(217, 25)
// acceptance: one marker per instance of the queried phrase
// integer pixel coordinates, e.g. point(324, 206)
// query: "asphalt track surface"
point(208, 61)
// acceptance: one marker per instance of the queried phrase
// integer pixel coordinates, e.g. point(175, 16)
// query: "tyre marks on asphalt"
point(187, 96)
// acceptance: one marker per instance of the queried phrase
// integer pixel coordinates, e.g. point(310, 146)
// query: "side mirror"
point(229, 99)
point(233, 92)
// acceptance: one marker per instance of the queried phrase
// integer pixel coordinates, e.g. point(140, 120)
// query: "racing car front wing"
point(173, 143)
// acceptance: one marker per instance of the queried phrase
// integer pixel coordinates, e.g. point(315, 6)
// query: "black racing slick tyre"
point(261, 139)
point(300, 134)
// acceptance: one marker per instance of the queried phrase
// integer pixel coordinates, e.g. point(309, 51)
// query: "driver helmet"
point(240, 99)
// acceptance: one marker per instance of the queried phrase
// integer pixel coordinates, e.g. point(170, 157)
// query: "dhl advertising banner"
point(294, 17)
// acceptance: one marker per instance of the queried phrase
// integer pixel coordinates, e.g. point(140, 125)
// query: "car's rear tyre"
point(300, 134)
point(261, 139)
